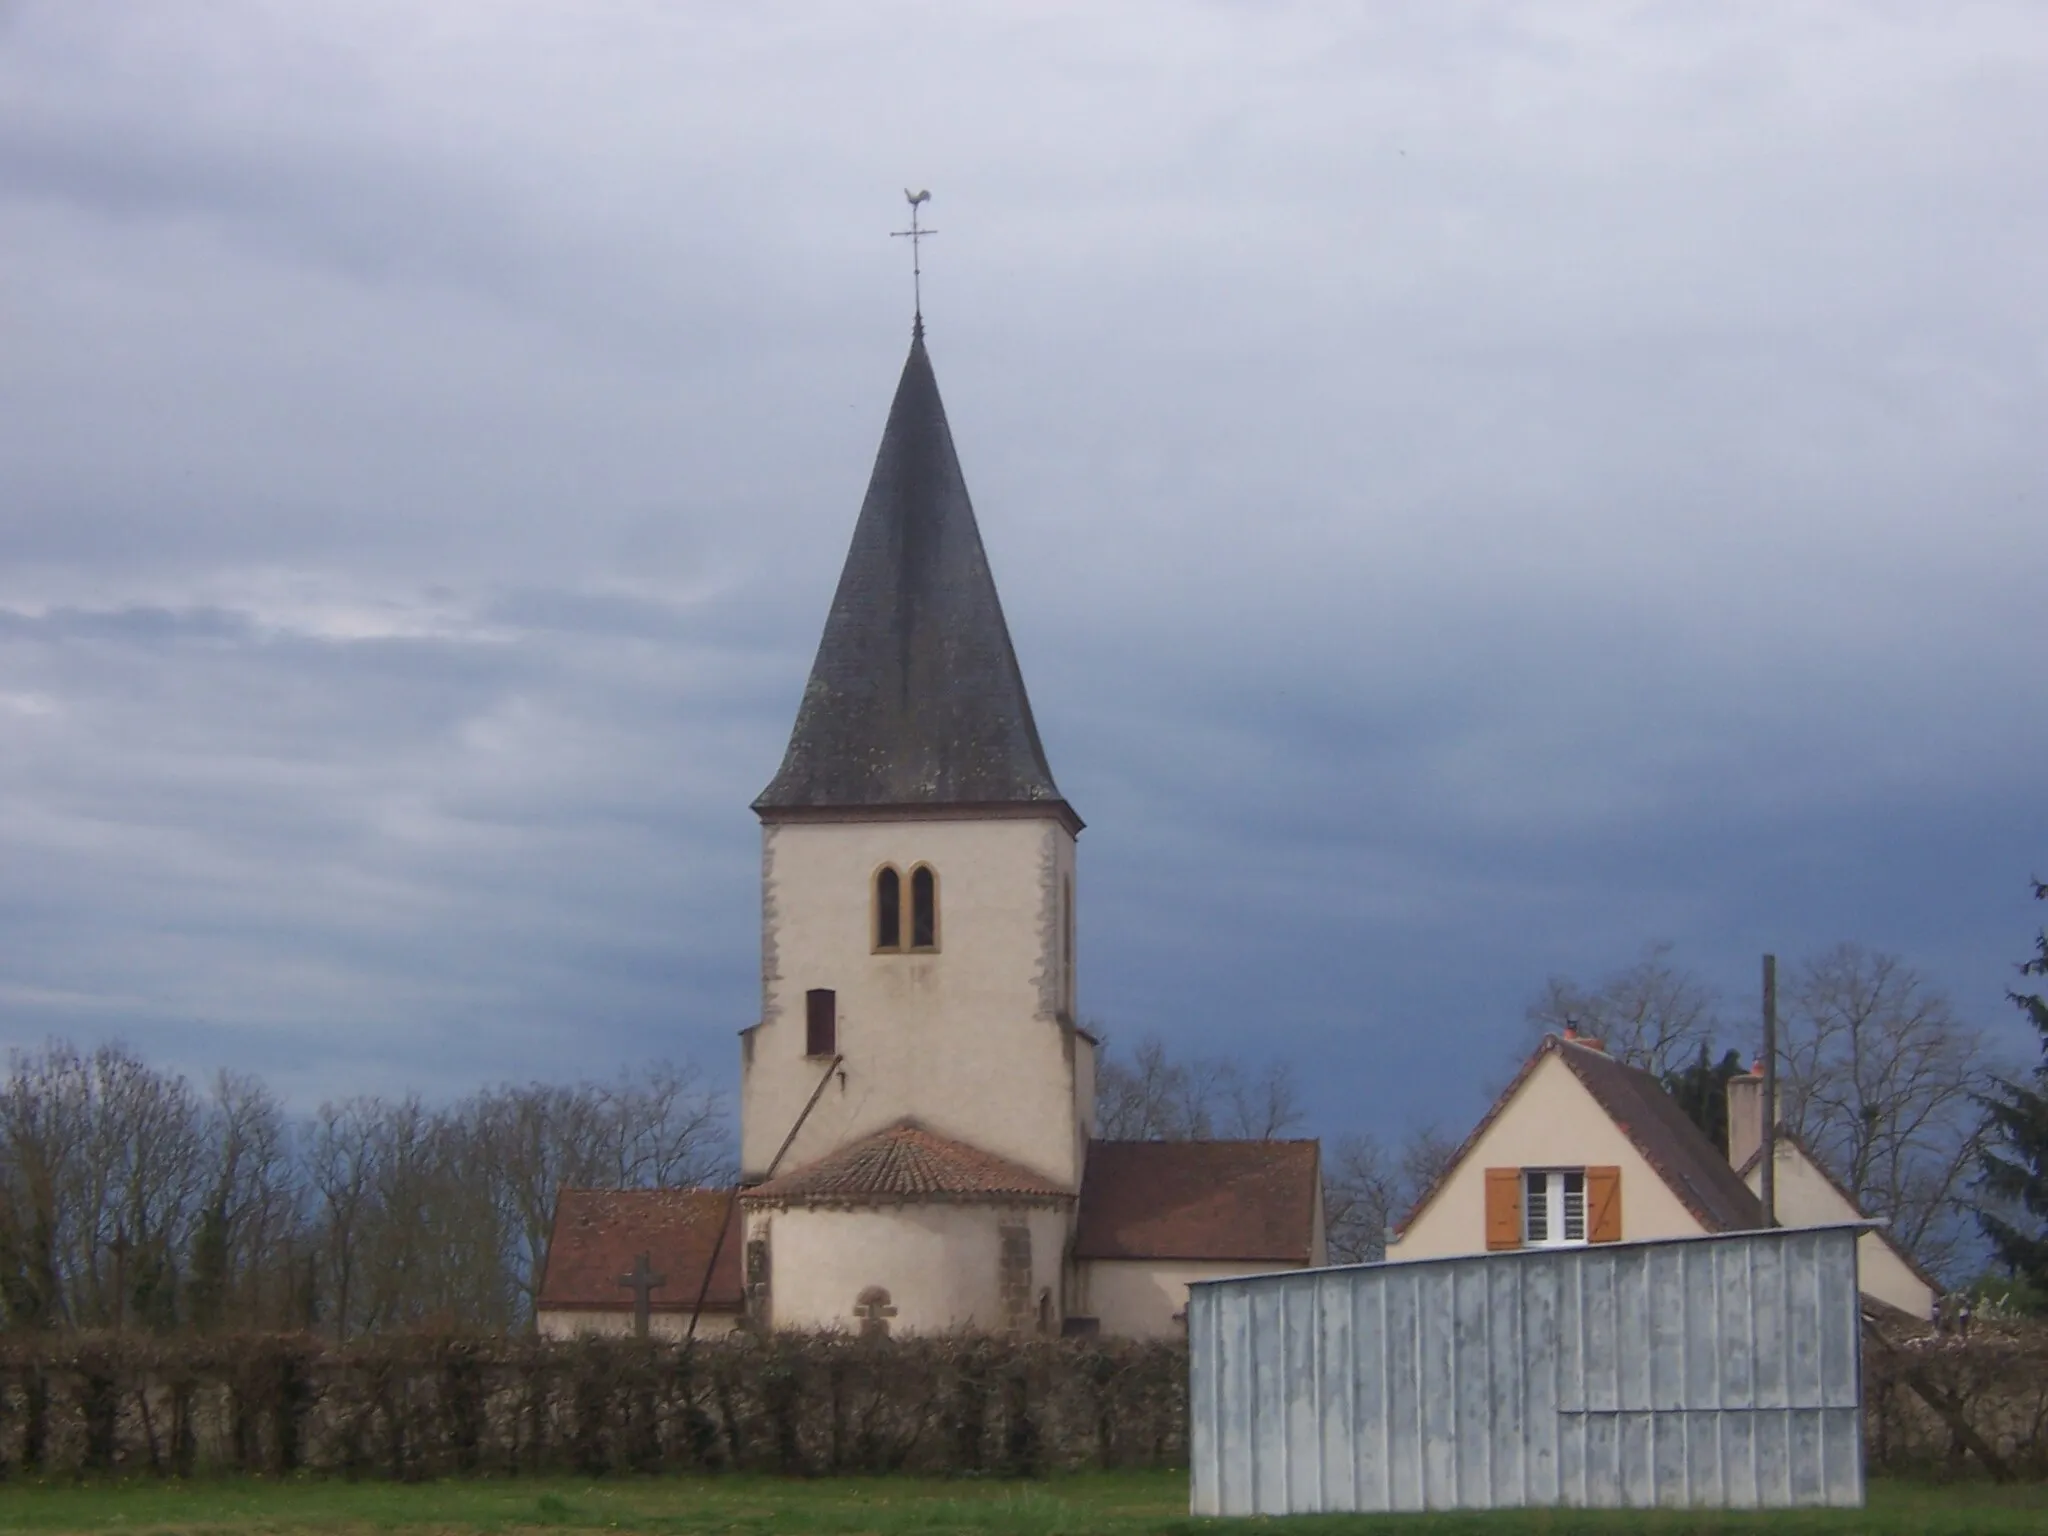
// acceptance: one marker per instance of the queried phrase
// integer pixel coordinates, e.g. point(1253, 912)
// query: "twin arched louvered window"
point(921, 930)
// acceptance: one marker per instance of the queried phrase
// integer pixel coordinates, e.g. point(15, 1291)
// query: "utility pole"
point(1767, 1188)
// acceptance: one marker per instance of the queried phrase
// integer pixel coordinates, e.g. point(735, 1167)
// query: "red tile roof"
point(1225, 1200)
point(1692, 1167)
point(903, 1163)
point(598, 1232)
point(1678, 1151)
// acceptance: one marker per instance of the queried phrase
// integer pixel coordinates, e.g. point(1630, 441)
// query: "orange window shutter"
point(1503, 1208)
point(1603, 1205)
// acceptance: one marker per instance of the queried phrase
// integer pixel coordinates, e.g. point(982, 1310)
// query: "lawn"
point(1114, 1504)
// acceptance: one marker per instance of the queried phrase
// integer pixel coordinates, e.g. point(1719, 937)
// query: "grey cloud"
point(1471, 496)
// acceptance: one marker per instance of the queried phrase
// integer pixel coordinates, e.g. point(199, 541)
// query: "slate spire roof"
point(915, 698)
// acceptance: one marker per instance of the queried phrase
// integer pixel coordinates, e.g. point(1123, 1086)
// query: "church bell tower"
point(917, 859)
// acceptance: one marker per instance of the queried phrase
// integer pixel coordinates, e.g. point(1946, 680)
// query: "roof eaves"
point(1465, 1147)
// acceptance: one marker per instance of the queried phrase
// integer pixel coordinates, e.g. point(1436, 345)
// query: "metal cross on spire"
point(914, 235)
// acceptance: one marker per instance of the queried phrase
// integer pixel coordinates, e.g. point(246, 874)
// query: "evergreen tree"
point(1701, 1090)
point(2016, 1161)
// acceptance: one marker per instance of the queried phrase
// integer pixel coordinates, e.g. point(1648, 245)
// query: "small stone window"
point(924, 908)
point(821, 1022)
point(888, 908)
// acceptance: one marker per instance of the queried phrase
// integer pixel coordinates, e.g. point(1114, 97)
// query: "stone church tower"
point(916, 1101)
point(917, 897)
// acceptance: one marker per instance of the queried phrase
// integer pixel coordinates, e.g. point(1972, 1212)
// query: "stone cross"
point(643, 1282)
point(874, 1311)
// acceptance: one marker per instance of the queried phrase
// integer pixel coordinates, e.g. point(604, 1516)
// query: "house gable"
point(1808, 1196)
point(1548, 1117)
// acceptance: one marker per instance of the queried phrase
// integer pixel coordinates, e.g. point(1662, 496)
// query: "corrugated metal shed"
point(1697, 1371)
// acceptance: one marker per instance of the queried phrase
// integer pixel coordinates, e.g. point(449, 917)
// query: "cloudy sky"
point(1475, 492)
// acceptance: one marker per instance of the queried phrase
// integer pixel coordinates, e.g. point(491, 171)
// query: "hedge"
point(418, 1406)
point(409, 1406)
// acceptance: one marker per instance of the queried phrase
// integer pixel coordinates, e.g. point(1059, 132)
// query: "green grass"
point(1112, 1504)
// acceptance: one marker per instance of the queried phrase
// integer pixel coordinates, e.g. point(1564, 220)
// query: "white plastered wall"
point(975, 1041)
point(1806, 1198)
point(1148, 1298)
point(571, 1323)
point(940, 1263)
point(1551, 1122)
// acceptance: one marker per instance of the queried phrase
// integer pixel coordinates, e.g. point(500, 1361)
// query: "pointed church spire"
point(915, 699)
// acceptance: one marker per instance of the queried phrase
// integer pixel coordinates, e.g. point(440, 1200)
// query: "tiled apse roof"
point(915, 698)
point(599, 1231)
point(906, 1162)
point(1230, 1200)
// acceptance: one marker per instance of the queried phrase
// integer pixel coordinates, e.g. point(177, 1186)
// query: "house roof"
point(915, 698)
point(1793, 1139)
point(1231, 1200)
point(599, 1232)
point(906, 1162)
point(1691, 1166)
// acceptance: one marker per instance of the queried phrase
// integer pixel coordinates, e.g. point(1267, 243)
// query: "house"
point(1806, 1195)
point(1580, 1148)
point(1577, 1149)
point(917, 1098)
point(1157, 1215)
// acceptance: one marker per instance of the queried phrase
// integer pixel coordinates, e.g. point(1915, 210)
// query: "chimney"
point(1745, 1116)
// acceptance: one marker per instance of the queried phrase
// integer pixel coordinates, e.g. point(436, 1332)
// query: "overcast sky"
point(1475, 492)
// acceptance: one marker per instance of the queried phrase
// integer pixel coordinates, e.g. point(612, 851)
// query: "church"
point(917, 1097)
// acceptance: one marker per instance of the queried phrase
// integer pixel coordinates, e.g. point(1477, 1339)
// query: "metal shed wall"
point(1700, 1371)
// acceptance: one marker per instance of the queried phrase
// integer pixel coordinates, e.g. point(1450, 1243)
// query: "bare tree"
point(1883, 1084)
point(128, 1198)
point(656, 1128)
point(1156, 1097)
point(1143, 1099)
point(1366, 1189)
point(342, 1170)
point(543, 1138)
point(44, 1126)
point(1361, 1200)
point(98, 1174)
point(665, 1127)
point(247, 1243)
point(1652, 1014)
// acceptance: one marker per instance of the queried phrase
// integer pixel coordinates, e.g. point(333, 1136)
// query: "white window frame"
point(1548, 1194)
